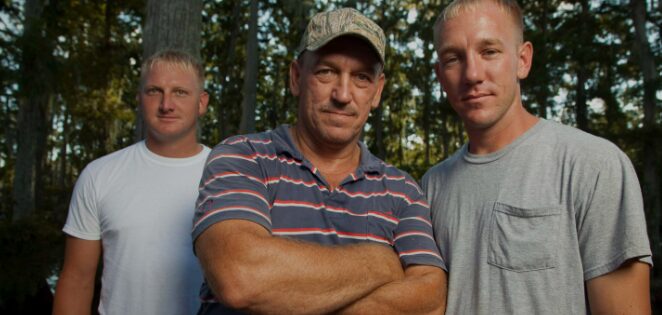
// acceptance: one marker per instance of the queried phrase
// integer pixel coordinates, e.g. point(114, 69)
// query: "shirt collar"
point(285, 145)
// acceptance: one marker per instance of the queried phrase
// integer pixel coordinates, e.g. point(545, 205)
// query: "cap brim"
point(321, 43)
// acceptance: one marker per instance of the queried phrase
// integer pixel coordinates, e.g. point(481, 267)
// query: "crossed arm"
point(622, 291)
point(422, 291)
point(250, 270)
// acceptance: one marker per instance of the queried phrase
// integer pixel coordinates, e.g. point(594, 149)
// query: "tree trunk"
point(42, 170)
point(581, 111)
point(8, 131)
point(34, 98)
point(581, 114)
point(170, 24)
point(377, 115)
point(614, 118)
point(543, 54)
point(250, 75)
point(428, 111)
point(443, 133)
point(63, 172)
point(651, 179)
point(378, 126)
point(227, 63)
point(272, 104)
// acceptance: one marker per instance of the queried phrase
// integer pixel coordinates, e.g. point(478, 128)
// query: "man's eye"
point(449, 60)
point(363, 77)
point(324, 74)
point(152, 91)
point(180, 92)
point(362, 80)
point(490, 52)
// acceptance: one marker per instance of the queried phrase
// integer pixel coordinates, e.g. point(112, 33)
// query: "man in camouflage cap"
point(303, 218)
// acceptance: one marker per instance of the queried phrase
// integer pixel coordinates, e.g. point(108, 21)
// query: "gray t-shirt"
point(521, 229)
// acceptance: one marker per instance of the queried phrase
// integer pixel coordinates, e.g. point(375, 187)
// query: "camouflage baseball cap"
point(326, 26)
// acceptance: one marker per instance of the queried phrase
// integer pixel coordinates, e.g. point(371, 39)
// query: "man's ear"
point(203, 103)
point(295, 75)
point(437, 71)
point(438, 74)
point(525, 56)
point(378, 95)
point(139, 101)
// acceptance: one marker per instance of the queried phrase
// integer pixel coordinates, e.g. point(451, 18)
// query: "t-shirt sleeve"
point(83, 218)
point(611, 224)
point(413, 239)
point(233, 186)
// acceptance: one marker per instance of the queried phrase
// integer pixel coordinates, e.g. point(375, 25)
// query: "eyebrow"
point(176, 87)
point(491, 42)
point(372, 69)
point(482, 43)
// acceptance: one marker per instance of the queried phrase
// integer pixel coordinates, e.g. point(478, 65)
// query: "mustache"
point(340, 108)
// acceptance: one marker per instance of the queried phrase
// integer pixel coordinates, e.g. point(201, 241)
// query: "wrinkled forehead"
point(351, 46)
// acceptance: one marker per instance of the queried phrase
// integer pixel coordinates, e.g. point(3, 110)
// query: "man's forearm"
point(251, 270)
point(75, 286)
point(422, 291)
point(73, 296)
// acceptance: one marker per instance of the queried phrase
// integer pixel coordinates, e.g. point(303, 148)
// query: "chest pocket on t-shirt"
point(523, 239)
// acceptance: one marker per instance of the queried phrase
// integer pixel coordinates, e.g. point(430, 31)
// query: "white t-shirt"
point(140, 205)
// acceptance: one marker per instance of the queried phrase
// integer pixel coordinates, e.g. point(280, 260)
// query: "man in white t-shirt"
point(136, 205)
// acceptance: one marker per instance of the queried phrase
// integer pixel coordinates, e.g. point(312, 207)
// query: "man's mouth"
point(474, 96)
point(167, 117)
point(338, 113)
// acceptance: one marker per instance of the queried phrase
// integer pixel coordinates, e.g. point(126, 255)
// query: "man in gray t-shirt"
point(531, 217)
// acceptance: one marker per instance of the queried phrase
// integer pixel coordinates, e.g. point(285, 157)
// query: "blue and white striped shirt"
point(263, 178)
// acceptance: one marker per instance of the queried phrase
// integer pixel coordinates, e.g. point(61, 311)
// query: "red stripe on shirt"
point(230, 208)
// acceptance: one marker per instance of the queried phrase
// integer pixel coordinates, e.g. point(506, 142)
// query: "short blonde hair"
point(177, 58)
point(457, 7)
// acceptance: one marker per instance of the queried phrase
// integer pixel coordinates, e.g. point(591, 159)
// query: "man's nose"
point(342, 91)
point(473, 69)
point(166, 104)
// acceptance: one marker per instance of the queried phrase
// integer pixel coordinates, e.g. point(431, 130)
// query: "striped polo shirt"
point(264, 178)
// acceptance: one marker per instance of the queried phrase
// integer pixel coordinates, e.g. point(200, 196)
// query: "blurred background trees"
point(69, 73)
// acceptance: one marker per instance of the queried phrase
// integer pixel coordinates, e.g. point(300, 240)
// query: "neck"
point(174, 149)
point(333, 161)
point(502, 133)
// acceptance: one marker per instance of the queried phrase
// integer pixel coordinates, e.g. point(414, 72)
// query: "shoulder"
point(442, 168)
point(580, 145)
point(376, 170)
point(587, 159)
point(264, 150)
point(396, 182)
point(265, 137)
point(263, 142)
point(97, 175)
point(111, 161)
point(205, 150)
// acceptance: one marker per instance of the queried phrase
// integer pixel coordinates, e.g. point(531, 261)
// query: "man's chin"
point(339, 138)
point(478, 123)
